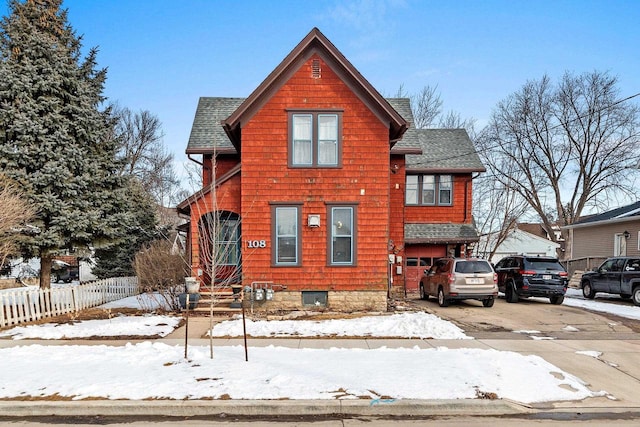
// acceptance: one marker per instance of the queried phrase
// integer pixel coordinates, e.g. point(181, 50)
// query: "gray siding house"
point(612, 233)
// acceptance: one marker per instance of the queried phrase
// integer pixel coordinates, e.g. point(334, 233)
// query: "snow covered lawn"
point(402, 325)
point(157, 370)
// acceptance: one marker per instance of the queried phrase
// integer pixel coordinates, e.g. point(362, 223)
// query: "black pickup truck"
point(619, 275)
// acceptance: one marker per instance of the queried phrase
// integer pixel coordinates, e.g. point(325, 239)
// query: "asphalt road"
point(533, 316)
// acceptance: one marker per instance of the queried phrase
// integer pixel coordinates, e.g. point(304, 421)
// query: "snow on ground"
point(575, 299)
point(161, 371)
point(117, 326)
point(157, 370)
point(404, 325)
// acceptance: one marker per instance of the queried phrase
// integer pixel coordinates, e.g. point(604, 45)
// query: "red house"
point(316, 189)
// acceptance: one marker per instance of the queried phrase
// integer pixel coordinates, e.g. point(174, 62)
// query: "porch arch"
point(219, 235)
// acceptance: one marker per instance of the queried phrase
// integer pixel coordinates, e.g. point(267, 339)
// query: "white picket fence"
point(28, 304)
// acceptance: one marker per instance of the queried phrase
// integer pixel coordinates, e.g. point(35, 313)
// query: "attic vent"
point(315, 69)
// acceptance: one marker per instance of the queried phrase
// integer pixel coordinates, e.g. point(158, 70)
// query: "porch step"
point(222, 299)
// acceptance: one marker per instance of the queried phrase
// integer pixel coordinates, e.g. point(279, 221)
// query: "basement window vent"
point(317, 299)
point(315, 69)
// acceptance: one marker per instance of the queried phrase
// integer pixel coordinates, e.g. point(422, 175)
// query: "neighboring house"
point(319, 188)
point(519, 242)
point(540, 230)
point(612, 233)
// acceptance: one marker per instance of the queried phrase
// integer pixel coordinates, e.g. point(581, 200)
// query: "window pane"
point(302, 140)
point(428, 189)
point(342, 250)
point(444, 194)
point(287, 235)
point(287, 250)
point(327, 139)
point(342, 235)
point(227, 243)
point(411, 190)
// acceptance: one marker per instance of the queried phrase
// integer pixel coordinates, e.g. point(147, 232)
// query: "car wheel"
point(636, 295)
point(423, 294)
point(556, 299)
point(587, 290)
point(488, 302)
point(442, 301)
point(510, 292)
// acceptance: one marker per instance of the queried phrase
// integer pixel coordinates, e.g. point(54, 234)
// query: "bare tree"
point(15, 214)
point(453, 120)
point(496, 211)
point(571, 145)
point(143, 153)
point(426, 105)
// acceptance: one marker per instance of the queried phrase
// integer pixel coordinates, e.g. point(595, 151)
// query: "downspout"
point(466, 194)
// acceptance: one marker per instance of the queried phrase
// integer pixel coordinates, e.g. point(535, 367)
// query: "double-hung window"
point(315, 139)
point(286, 235)
point(429, 190)
point(341, 247)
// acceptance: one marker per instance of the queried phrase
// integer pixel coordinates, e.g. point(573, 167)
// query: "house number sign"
point(256, 243)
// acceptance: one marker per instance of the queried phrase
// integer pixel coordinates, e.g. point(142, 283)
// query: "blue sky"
point(162, 55)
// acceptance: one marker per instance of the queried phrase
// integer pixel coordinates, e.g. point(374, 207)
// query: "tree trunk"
point(45, 271)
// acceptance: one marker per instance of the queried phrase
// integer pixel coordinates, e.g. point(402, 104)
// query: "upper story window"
point(429, 190)
point(315, 139)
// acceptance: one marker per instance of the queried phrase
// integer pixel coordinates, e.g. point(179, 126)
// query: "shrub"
point(159, 270)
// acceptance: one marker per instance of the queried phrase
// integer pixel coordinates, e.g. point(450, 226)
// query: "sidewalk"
point(617, 371)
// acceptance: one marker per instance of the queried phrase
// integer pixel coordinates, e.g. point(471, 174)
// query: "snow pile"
point(404, 325)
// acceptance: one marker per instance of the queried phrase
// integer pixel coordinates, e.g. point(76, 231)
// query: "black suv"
point(525, 276)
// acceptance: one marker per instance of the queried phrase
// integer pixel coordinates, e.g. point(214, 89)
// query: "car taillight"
point(527, 273)
point(452, 278)
point(495, 278)
point(563, 274)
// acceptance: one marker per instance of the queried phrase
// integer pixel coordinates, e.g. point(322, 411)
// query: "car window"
point(475, 266)
point(633, 265)
point(606, 266)
point(441, 266)
point(544, 264)
point(510, 262)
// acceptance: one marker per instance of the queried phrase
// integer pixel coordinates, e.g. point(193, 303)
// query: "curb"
point(270, 408)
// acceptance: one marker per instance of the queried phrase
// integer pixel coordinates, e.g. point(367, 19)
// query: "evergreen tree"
point(117, 259)
point(54, 139)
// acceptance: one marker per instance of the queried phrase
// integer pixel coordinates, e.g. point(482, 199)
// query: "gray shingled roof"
point(440, 233)
point(207, 132)
point(410, 138)
point(445, 150)
point(629, 211)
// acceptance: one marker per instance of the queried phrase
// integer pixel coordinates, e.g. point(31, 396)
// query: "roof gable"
point(315, 43)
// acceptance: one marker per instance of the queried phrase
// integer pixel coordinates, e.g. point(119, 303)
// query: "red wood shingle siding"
point(458, 212)
point(267, 178)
